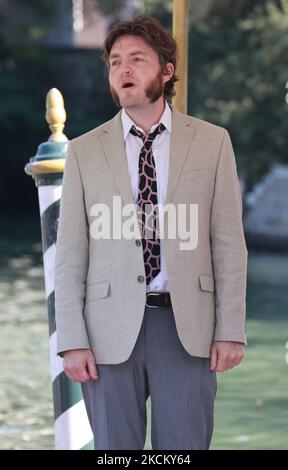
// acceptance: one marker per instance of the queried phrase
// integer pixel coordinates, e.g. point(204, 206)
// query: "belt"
point(158, 299)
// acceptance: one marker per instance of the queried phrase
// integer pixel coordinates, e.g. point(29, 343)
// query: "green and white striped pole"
point(72, 428)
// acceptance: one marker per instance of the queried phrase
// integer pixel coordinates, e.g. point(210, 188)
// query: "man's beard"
point(153, 91)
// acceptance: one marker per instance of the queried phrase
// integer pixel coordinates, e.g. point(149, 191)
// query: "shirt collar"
point(127, 122)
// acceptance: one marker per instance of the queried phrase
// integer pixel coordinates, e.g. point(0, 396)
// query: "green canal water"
point(252, 399)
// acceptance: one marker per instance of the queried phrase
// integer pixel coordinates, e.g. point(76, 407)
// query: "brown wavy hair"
point(157, 37)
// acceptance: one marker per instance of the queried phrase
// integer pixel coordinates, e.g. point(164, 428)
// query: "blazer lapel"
point(113, 144)
point(181, 139)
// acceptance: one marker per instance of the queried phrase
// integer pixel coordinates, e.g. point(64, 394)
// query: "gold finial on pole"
point(55, 115)
point(180, 33)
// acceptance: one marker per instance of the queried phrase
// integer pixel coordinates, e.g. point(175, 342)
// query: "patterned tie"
point(148, 196)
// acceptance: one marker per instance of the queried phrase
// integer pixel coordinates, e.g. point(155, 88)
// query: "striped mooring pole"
point(72, 428)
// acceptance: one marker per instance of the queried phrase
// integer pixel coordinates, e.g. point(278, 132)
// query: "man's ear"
point(169, 71)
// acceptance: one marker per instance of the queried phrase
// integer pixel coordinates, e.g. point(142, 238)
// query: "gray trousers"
point(181, 387)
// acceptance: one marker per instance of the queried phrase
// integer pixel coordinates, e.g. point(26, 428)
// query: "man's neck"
point(146, 116)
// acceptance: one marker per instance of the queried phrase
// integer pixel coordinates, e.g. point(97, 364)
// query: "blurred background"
point(238, 78)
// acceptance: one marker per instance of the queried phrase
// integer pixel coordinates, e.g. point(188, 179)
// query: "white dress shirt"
point(161, 152)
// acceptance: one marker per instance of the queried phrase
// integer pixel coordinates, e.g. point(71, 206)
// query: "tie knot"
point(150, 137)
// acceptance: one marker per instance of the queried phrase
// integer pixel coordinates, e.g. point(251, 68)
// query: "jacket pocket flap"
point(97, 290)
point(207, 283)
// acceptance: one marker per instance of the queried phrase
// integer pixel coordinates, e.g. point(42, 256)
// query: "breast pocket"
point(97, 290)
point(195, 173)
point(197, 185)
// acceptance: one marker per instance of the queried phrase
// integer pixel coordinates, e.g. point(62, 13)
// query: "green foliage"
point(237, 79)
point(152, 7)
point(26, 75)
point(43, 7)
point(35, 18)
point(111, 6)
point(238, 62)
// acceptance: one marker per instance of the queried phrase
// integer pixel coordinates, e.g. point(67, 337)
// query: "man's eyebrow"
point(115, 55)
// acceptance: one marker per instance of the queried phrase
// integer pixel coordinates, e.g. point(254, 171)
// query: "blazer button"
point(140, 278)
point(138, 242)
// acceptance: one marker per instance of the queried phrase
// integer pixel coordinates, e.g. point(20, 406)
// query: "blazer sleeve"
point(71, 260)
point(229, 252)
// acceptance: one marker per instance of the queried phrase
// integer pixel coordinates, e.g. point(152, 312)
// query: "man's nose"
point(126, 68)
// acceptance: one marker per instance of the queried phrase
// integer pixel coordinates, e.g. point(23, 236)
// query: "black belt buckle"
point(163, 299)
point(147, 297)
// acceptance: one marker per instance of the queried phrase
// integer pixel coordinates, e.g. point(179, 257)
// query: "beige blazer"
point(99, 297)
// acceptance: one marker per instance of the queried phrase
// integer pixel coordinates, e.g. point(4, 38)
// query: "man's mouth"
point(128, 85)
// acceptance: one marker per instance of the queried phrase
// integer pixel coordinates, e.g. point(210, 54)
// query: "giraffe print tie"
point(147, 200)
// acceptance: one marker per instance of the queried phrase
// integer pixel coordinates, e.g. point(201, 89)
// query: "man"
point(140, 316)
